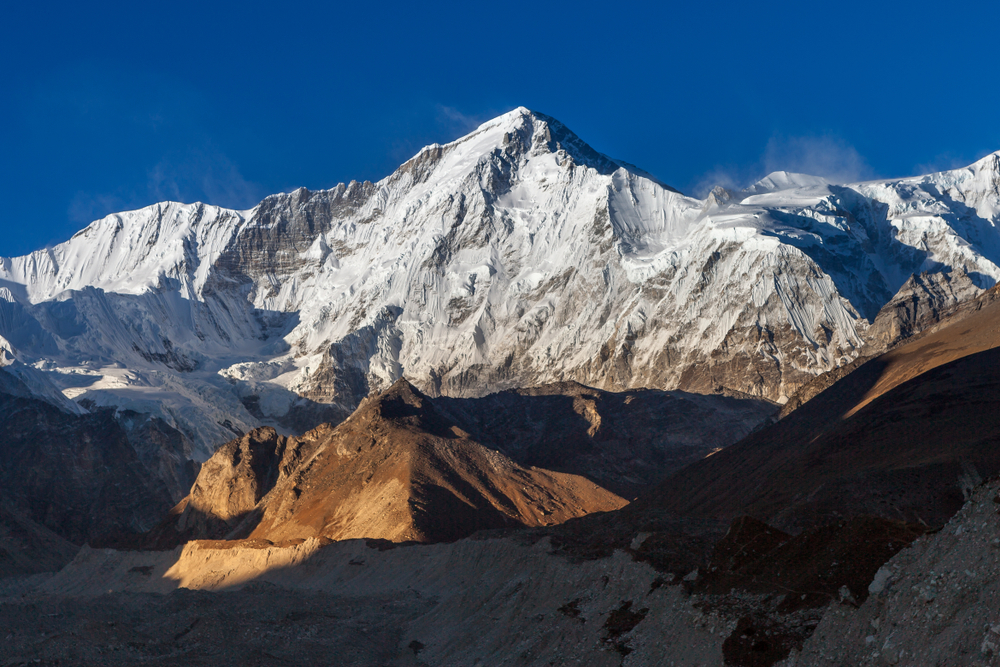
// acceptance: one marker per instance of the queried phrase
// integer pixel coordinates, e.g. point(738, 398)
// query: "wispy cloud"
point(817, 155)
point(201, 174)
point(826, 156)
point(458, 123)
point(86, 207)
point(438, 123)
point(456, 120)
point(731, 177)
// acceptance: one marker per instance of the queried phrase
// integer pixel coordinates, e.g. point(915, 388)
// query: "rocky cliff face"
point(625, 441)
point(27, 547)
point(407, 444)
point(922, 301)
point(512, 257)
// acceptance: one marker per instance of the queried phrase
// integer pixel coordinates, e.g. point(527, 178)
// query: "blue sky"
point(112, 106)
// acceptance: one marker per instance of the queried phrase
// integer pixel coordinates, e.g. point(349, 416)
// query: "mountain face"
point(624, 441)
point(922, 301)
point(514, 256)
point(27, 547)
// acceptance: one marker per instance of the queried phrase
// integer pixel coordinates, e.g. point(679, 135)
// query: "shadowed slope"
point(918, 309)
point(397, 469)
point(27, 547)
point(904, 436)
point(76, 475)
point(625, 441)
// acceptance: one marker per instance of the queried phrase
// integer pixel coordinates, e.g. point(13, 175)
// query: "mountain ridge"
point(514, 256)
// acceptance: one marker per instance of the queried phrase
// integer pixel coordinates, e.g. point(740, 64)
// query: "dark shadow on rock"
point(444, 517)
point(223, 502)
point(845, 261)
point(303, 413)
point(624, 441)
point(795, 579)
point(27, 547)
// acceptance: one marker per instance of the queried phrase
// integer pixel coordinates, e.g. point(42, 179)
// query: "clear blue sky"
point(110, 106)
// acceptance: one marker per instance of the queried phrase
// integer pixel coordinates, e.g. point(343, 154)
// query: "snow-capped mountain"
point(514, 256)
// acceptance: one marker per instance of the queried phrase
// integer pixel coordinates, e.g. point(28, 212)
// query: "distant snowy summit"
point(514, 256)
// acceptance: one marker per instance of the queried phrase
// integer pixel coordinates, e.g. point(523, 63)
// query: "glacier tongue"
point(514, 256)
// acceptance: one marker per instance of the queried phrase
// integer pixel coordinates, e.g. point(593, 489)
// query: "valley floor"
point(496, 600)
point(474, 602)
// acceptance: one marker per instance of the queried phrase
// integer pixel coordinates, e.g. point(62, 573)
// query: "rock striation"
point(922, 301)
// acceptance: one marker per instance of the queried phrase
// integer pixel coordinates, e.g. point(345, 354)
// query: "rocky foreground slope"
point(98, 477)
point(407, 467)
point(936, 603)
point(639, 586)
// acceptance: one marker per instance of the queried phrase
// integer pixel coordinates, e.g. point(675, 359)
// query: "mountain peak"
point(396, 469)
point(989, 162)
point(400, 392)
point(532, 133)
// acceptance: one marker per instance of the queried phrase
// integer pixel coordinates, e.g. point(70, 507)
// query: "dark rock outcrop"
point(27, 547)
point(625, 441)
point(918, 307)
point(923, 301)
